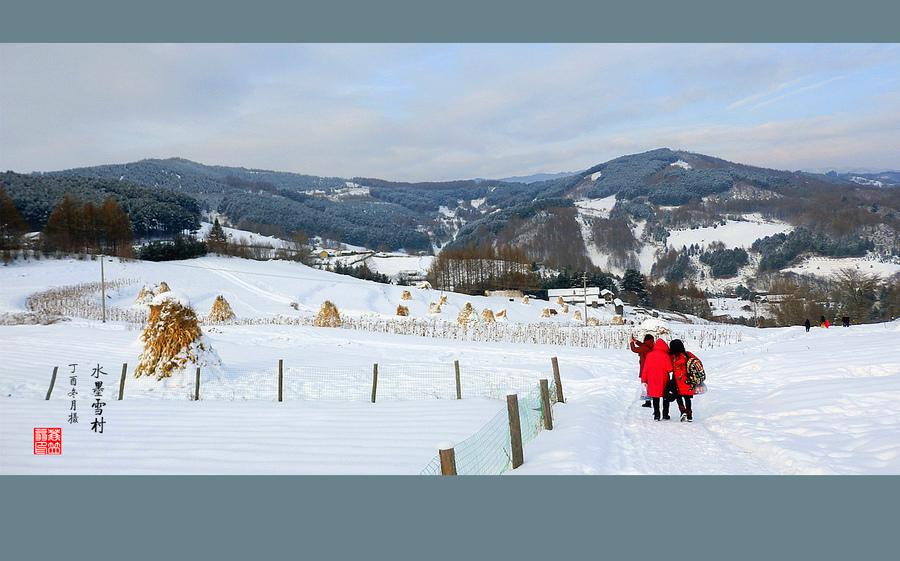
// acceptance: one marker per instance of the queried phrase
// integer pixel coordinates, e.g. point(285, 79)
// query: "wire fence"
point(489, 450)
point(381, 382)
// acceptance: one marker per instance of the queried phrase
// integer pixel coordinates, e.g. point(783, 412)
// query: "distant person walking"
point(657, 368)
point(642, 349)
point(807, 325)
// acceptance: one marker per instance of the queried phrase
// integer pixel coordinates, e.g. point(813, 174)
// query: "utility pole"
point(584, 280)
point(102, 288)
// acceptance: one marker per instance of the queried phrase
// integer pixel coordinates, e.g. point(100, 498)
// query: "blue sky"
point(415, 112)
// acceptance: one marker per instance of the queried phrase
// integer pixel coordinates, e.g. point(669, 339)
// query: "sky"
point(447, 111)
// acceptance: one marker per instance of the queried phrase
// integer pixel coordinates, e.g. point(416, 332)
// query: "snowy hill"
point(263, 289)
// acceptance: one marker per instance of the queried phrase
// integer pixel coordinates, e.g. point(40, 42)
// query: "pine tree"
point(633, 281)
point(12, 225)
point(216, 240)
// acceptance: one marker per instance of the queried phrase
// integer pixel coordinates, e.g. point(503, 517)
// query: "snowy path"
point(624, 439)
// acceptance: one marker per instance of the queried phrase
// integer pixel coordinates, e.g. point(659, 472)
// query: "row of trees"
point(474, 269)
point(861, 297)
point(74, 226)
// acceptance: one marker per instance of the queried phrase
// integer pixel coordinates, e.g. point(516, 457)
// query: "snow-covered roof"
point(606, 291)
point(618, 302)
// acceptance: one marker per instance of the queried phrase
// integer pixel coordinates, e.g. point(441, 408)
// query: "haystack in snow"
point(560, 301)
point(434, 308)
point(467, 314)
point(402, 310)
point(221, 310)
point(565, 309)
point(144, 296)
point(578, 315)
point(487, 315)
point(328, 315)
point(406, 295)
point(593, 321)
point(500, 315)
point(424, 285)
point(162, 287)
point(172, 339)
point(443, 299)
point(618, 320)
point(526, 299)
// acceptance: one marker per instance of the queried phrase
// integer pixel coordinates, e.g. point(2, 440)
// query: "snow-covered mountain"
point(644, 211)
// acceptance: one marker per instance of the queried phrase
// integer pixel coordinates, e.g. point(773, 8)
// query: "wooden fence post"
point(448, 461)
point(458, 385)
point(546, 412)
point(559, 390)
point(374, 381)
point(280, 379)
point(122, 381)
point(197, 385)
point(515, 430)
point(52, 382)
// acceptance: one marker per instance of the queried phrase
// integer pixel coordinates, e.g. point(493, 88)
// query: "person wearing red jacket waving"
point(642, 349)
point(685, 391)
point(657, 367)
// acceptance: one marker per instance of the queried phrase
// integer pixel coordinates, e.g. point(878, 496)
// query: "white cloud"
point(442, 111)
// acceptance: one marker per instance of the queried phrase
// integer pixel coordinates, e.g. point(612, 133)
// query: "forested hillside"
point(151, 211)
point(616, 215)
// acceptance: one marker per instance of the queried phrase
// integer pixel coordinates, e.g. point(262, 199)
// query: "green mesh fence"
point(489, 451)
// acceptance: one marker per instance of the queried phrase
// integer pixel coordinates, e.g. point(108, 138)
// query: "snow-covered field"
point(734, 233)
point(780, 401)
point(827, 266)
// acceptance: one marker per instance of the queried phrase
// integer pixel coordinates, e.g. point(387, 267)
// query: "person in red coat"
point(679, 369)
point(657, 367)
point(642, 349)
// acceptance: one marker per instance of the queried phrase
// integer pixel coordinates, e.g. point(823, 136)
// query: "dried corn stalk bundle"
point(466, 315)
point(221, 310)
point(328, 315)
point(402, 310)
point(172, 338)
